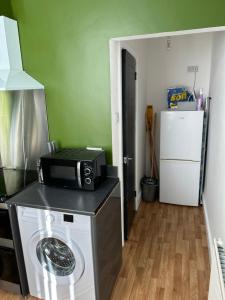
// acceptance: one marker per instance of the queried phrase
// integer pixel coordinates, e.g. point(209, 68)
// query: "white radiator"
point(217, 277)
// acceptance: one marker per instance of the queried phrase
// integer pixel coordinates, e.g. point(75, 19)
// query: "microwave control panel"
point(88, 173)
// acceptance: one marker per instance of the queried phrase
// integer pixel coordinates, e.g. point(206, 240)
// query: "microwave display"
point(62, 172)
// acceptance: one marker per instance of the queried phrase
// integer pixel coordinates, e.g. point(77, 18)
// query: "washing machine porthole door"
point(55, 256)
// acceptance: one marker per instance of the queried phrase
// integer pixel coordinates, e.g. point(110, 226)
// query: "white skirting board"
point(138, 200)
point(208, 229)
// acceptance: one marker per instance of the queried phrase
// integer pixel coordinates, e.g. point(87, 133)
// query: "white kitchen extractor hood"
point(12, 76)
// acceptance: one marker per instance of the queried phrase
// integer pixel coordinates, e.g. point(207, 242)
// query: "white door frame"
point(116, 96)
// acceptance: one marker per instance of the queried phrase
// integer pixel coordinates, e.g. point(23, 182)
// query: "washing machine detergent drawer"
point(58, 254)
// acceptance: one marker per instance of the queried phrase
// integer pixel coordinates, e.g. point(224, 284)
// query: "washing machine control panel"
point(68, 218)
point(50, 218)
point(56, 218)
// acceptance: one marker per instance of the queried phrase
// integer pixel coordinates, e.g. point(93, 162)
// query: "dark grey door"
point(128, 106)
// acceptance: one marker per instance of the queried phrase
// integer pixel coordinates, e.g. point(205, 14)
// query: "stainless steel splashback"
point(23, 128)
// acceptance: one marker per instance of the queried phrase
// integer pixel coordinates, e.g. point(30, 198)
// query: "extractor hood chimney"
point(12, 76)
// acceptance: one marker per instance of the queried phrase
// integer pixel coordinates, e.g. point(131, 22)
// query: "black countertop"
point(74, 201)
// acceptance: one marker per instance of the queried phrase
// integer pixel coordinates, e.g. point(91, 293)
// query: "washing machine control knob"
point(50, 219)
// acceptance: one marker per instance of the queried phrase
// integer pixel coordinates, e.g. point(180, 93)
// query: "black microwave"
point(74, 168)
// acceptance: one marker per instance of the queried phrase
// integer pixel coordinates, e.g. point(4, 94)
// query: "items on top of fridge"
point(200, 100)
point(177, 94)
point(186, 105)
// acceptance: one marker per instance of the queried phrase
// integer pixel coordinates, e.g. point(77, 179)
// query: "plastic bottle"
point(200, 100)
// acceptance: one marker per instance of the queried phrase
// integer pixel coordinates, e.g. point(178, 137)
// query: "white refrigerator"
point(180, 156)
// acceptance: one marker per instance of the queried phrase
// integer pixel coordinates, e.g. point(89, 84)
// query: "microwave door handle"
point(79, 174)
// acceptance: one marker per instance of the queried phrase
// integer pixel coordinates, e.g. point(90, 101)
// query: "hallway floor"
point(166, 256)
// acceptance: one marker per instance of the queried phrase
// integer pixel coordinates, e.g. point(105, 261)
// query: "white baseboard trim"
point(138, 200)
point(208, 229)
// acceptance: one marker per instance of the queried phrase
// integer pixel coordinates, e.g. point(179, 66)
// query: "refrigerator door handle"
point(184, 160)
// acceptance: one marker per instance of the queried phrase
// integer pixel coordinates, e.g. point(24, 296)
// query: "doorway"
point(116, 46)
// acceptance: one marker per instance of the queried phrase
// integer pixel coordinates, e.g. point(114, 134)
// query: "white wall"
point(168, 68)
point(138, 50)
point(116, 111)
point(214, 192)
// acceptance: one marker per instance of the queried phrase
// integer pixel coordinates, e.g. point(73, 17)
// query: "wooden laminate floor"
point(166, 256)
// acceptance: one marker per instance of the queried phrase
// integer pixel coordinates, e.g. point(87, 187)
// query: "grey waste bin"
point(150, 188)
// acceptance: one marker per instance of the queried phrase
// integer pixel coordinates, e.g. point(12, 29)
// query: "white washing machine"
point(58, 254)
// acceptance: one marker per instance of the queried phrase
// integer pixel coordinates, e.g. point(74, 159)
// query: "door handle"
point(126, 160)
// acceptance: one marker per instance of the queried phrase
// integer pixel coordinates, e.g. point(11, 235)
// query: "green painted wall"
point(65, 46)
point(5, 8)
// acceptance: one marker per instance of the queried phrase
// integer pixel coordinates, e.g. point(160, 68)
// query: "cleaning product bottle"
point(200, 100)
